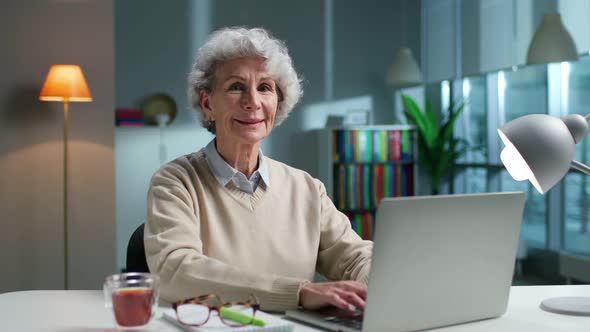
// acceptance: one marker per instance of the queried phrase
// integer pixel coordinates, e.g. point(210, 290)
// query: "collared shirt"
point(224, 173)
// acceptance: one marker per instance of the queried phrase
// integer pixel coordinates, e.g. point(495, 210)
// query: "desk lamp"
point(540, 148)
point(65, 83)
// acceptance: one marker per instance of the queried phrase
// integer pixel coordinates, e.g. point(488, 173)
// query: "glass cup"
point(133, 298)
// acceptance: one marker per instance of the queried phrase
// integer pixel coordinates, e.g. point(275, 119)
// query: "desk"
point(77, 311)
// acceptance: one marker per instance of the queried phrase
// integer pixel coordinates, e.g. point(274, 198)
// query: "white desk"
point(77, 311)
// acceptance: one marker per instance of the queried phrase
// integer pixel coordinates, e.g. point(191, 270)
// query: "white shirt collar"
point(224, 173)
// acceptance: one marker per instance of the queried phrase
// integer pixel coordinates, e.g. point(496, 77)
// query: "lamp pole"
point(65, 198)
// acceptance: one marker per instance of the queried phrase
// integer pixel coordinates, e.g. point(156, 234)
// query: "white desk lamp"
point(540, 148)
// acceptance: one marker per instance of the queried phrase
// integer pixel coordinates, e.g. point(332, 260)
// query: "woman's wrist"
point(301, 286)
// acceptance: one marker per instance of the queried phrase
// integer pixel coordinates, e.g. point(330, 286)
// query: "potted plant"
point(438, 149)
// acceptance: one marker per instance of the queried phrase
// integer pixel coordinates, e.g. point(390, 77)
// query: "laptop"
point(437, 261)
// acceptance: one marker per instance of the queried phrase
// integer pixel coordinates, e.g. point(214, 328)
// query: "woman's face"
point(243, 102)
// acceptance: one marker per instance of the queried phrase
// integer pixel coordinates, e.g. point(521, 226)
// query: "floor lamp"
point(65, 83)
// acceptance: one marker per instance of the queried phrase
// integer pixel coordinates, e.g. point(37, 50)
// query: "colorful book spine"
point(392, 192)
point(368, 148)
point(359, 184)
point(409, 179)
point(342, 144)
point(341, 182)
point(359, 224)
point(351, 185)
point(387, 181)
point(359, 145)
point(394, 145)
point(399, 180)
point(376, 146)
point(379, 183)
point(128, 114)
point(380, 146)
point(350, 147)
point(335, 146)
point(367, 187)
point(405, 150)
point(384, 153)
point(130, 123)
point(353, 223)
point(367, 229)
point(128, 117)
point(403, 179)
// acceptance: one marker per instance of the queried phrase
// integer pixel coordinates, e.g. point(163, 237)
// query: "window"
point(575, 100)
point(471, 126)
point(525, 92)
point(496, 98)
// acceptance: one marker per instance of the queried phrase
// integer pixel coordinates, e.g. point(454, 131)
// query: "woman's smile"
point(249, 122)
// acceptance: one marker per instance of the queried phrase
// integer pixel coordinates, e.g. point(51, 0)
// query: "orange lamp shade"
point(65, 83)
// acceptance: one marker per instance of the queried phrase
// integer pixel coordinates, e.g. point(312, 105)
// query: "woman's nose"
point(251, 100)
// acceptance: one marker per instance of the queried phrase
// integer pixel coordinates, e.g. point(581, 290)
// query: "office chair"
point(136, 261)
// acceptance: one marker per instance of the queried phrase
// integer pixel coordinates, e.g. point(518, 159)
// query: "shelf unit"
point(360, 165)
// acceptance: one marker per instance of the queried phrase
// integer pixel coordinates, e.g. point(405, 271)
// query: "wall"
point(574, 14)
point(438, 34)
point(35, 35)
point(151, 41)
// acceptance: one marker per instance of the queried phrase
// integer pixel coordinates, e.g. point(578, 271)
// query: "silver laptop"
point(437, 261)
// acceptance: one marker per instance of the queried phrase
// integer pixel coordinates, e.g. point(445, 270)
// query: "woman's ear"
point(204, 101)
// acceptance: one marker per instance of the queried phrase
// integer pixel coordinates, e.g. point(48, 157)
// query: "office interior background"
point(129, 49)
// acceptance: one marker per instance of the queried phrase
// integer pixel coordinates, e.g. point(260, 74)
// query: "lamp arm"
point(587, 117)
point(580, 167)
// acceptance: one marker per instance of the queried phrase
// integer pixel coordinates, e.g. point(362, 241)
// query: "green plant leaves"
point(438, 149)
point(426, 123)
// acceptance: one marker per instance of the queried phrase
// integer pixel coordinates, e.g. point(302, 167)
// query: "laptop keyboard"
point(337, 316)
point(351, 322)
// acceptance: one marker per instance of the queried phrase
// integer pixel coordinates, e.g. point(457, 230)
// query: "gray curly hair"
point(238, 42)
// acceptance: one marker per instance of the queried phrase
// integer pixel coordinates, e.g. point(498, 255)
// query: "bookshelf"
point(363, 164)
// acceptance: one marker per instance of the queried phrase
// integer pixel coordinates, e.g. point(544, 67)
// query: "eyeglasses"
point(197, 311)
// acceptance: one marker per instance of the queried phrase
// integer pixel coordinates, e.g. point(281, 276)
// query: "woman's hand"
point(347, 295)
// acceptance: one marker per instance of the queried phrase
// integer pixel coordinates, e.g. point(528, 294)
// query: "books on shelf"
point(128, 117)
point(367, 145)
point(362, 224)
point(368, 165)
point(362, 186)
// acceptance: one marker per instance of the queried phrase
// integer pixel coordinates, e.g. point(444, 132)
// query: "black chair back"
point(136, 261)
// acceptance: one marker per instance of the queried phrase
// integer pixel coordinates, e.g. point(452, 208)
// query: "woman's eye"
point(265, 87)
point(236, 87)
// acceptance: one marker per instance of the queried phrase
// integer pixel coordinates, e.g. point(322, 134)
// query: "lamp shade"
point(541, 147)
point(65, 83)
point(551, 42)
point(404, 70)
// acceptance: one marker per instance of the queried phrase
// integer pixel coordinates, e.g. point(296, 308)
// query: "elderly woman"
point(229, 220)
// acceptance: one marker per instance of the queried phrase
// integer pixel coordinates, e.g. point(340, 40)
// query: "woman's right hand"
point(347, 295)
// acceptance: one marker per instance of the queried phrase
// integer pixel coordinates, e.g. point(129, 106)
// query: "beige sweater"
point(203, 238)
